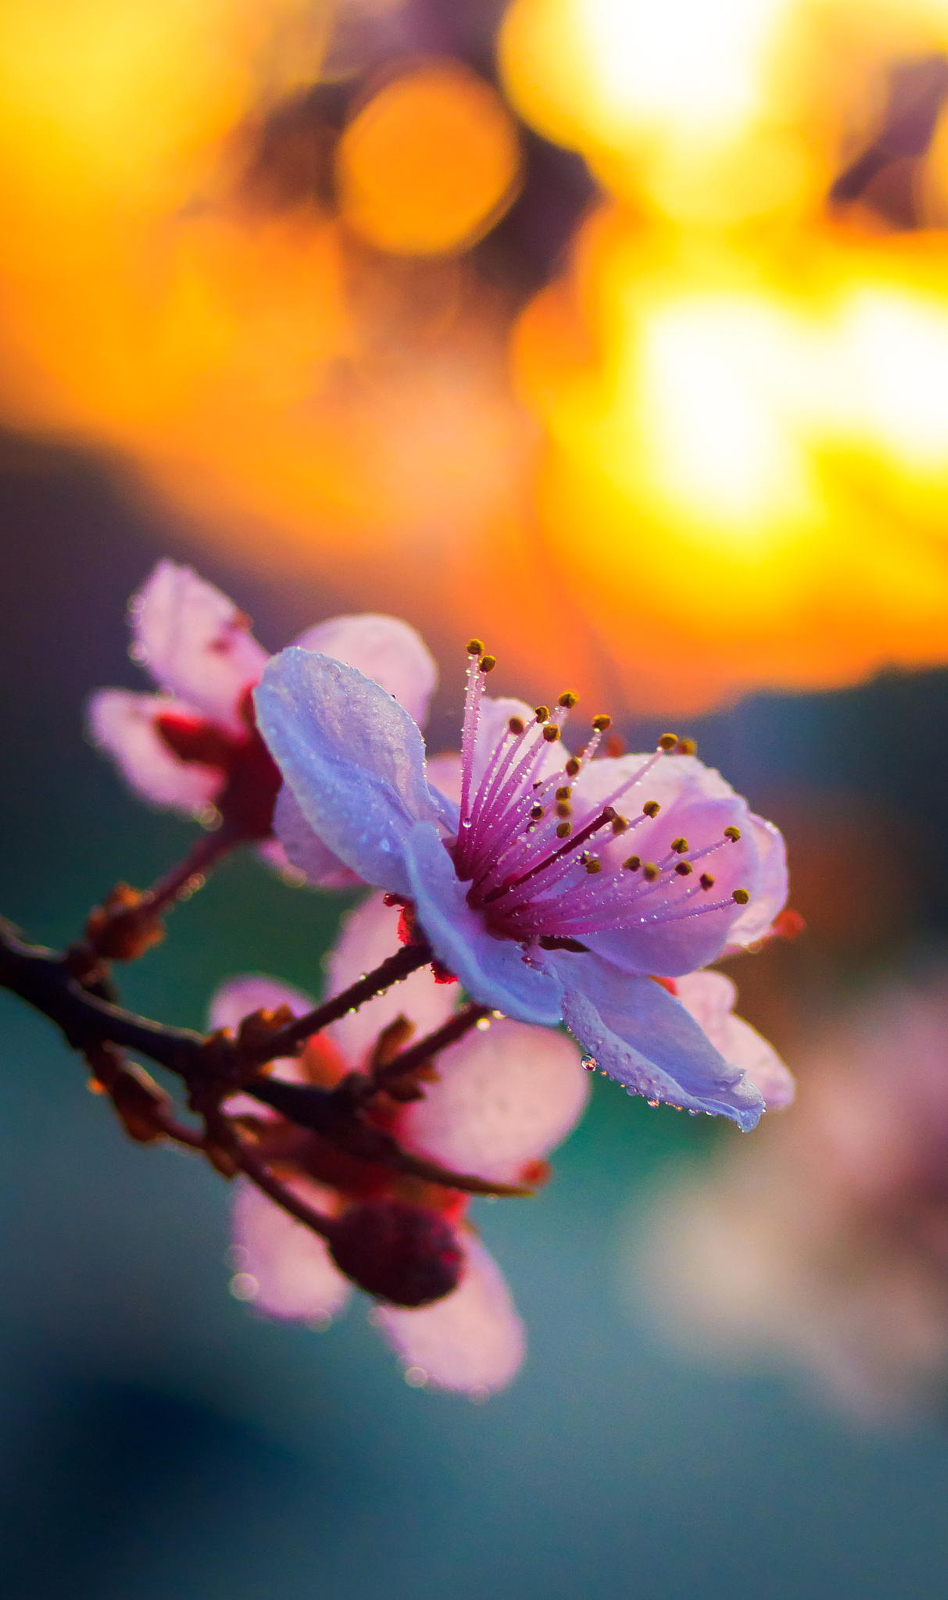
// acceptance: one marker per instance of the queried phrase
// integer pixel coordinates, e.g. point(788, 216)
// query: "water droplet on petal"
point(415, 1377)
point(590, 1063)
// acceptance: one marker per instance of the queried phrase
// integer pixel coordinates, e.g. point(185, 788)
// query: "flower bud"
point(402, 1253)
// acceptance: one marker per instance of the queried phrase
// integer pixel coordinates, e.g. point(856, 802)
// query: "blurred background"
point(617, 335)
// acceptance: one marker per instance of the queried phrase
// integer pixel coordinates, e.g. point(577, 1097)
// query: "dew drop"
point(244, 1286)
point(590, 1063)
point(416, 1377)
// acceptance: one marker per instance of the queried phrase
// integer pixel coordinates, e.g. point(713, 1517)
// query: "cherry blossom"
point(193, 746)
point(556, 887)
point(503, 1097)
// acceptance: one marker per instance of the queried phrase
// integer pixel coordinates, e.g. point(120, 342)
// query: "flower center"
point(543, 840)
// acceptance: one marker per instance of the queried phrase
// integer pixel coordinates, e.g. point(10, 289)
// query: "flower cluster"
point(551, 884)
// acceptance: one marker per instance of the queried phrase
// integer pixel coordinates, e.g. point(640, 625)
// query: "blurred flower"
point(194, 747)
point(527, 890)
point(502, 1098)
point(825, 1247)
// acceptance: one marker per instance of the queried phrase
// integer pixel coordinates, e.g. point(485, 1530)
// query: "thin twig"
point(418, 1054)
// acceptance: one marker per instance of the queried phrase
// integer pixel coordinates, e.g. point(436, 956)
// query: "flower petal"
point(493, 971)
point(641, 1036)
point(352, 757)
point(288, 1267)
point(503, 1098)
point(709, 997)
point(383, 649)
point(236, 999)
point(370, 934)
point(472, 1342)
point(444, 774)
point(123, 725)
point(195, 643)
point(305, 849)
point(772, 885)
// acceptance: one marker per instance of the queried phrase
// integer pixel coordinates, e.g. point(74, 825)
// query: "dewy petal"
point(641, 1036)
point(305, 849)
point(123, 725)
point(710, 997)
point(236, 999)
point(472, 1342)
point(353, 758)
point(493, 971)
point(288, 1267)
point(384, 649)
point(444, 774)
point(503, 1098)
point(370, 934)
point(195, 642)
point(770, 895)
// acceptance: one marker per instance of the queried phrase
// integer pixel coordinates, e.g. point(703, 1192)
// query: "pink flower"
point(503, 1098)
point(556, 887)
point(194, 745)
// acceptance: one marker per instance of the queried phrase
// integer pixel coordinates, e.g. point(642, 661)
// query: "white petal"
point(709, 997)
point(286, 1267)
point(384, 649)
point(195, 642)
point(369, 935)
point(504, 1097)
point(473, 1341)
point(123, 725)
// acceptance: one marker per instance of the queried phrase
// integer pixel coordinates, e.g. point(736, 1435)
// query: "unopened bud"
point(398, 1252)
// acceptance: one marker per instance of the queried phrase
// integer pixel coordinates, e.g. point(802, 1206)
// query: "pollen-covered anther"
point(568, 700)
point(516, 725)
point(563, 808)
point(732, 833)
point(572, 766)
point(488, 663)
point(601, 723)
point(620, 824)
point(564, 792)
point(563, 830)
point(551, 733)
point(684, 869)
point(475, 647)
point(537, 812)
point(542, 713)
point(687, 747)
point(632, 863)
point(706, 881)
point(650, 871)
point(740, 897)
point(594, 864)
point(679, 846)
point(668, 742)
point(651, 808)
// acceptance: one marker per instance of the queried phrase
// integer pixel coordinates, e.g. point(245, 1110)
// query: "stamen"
point(475, 647)
point(679, 845)
point(740, 897)
point(650, 871)
point(601, 723)
point(620, 824)
point(563, 830)
point(594, 865)
point(572, 766)
point(668, 742)
point(706, 881)
point(568, 700)
point(516, 725)
point(684, 869)
point(564, 791)
point(543, 713)
point(687, 747)
point(537, 812)
point(732, 833)
point(651, 808)
point(632, 864)
point(488, 663)
point(551, 733)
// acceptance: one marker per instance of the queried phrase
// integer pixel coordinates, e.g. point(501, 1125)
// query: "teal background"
point(163, 1443)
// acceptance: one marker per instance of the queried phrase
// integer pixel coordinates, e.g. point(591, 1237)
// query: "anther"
point(706, 881)
point(687, 747)
point(632, 864)
point(563, 830)
point(563, 808)
point(650, 871)
point(475, 647)
point(542, 713)
point(568, 700)
point(594, 864)
point(572, 766)
point(564, 791)
point(619, 824)
point(668, 741)
point(732, 833)
point(601, 723)
point(488, 663)
point(551, 733)
point(651, 808)
point(740, 897)
point(679, 846)
point(516, 725)
point(684, 868)
point(537, 812)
